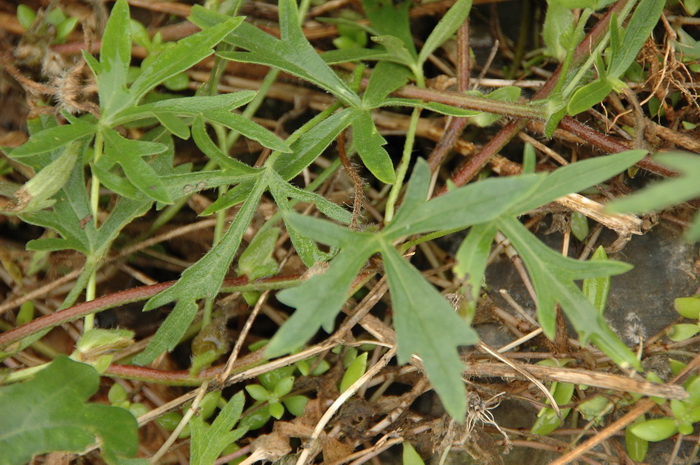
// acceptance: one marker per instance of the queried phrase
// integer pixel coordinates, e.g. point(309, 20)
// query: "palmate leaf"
point(553, 277)
point(201, 280)
point(669, 192)
point(292, 53)
point(49, 413)
point(209, 441)
point(416, 302)
point(427, 325)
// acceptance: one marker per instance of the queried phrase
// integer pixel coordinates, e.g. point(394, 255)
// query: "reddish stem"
point(468, 170)
point(110, 301)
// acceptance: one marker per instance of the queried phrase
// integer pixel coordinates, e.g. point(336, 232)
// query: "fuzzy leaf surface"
point(209, 441)
point(291, 53)
point(427, 325)
point(185, 54)
point(49, 413)
point(671, 191)
point(201, 280)
point(553, 277)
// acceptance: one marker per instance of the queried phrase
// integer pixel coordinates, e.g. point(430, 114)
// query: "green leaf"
point(579, 226)
point(246, 127)
point(671, 191)
point(68, 217)
point(201, 280)
point(588, 96)
point(558, 29)
point(636, 447)
point(354, 371)
point(276, 410)
point(427, 325)
point(655, 430)
point(292, 53)
point(210, 149)
point(183, 106)
point(553, 277)
point(471, 258)
point(596, 290)
point(128, 153)
point(385, 79)
point(25, 16)
point(284, 386)
point(53, 138)
point(639, 28)
point(370, 147)
point(209, 441)
point(257, 261)
point(49, 413)
point(37, 193)
point(681, 332)
point(396, 50)
point(444, 29)
point(392, 20)
point(410, 456)
point(577, 177)
point(257, 392)
point(174, 124)
point(306, 149)
point(185, 54)
point(295, 405)
point(479, 202)
point(115, 57)
point(333, 57)
point(688, 307)
point(319, 299)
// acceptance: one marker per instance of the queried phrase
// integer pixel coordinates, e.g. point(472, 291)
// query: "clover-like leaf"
point(50, 413)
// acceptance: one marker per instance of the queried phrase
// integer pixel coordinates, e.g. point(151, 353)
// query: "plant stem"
point(403, 166)
point(133, 295)
point(91, 288)
point(471, 102)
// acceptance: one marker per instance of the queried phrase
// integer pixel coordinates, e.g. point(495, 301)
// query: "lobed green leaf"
point(49, 413)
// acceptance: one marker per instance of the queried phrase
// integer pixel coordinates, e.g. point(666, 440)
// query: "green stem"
point(403, 166)
point(471, 102)
point(583, 19)
point(91, 288)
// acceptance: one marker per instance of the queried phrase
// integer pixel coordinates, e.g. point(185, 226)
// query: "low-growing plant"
point(92, 177)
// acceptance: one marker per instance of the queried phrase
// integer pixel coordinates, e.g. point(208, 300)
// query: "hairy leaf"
point(370, 149)
point(578, 176)
point(186, 53)
point(319, 299)
point(669, 192)
point(291, 53)
point(445, 28)
point(115, 57)
point(201, 280)
point(306, 149)
point(427, 325)
point(53, 138)
point(209, 441)
point(553, 277)
point(49, 413)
